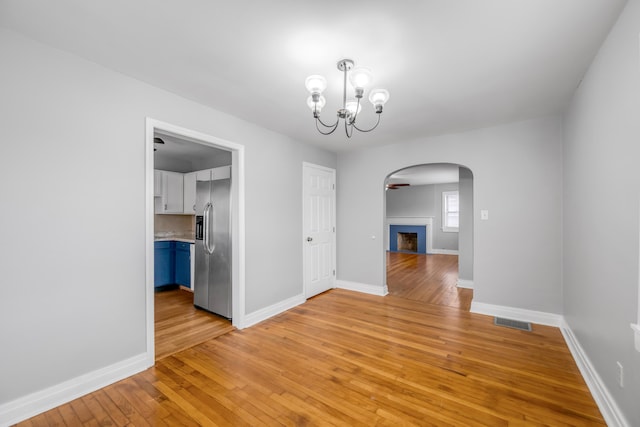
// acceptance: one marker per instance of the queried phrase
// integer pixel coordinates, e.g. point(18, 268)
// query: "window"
point(450, 211)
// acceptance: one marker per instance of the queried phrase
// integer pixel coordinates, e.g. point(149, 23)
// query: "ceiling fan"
point(396, 186)
point(157, 140)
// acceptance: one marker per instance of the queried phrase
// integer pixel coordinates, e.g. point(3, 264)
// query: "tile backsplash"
point(174, 224)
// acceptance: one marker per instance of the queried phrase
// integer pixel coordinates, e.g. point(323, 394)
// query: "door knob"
point(309, 239)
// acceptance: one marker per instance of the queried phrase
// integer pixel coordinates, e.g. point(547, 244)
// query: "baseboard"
point(539, 317)
point(607, 405)
point(362, 287)
point(464, 283)
point(270, 311)
point(51, 397)
point(636, 333)
point(443, 252)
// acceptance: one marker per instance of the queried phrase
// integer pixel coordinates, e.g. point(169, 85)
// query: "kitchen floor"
point(179, 325)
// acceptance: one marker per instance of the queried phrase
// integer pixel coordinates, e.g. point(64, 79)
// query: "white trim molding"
point(51, 397)
point(362, 287)
point(237, 219)
point(464, 283)
point(272, 310)
point(636, 330)
point(443, 252)
point(606, 403)
point(514, 313)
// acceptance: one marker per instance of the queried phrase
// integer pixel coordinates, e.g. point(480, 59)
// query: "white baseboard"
point(362, 287)
point(636, 332)
point(513, 313)
point(51, 397)
point(270, 311)
point(464, 283)
point(607, 405)
point(443, 252)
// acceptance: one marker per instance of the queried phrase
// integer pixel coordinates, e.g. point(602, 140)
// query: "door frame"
point(333, 220)
point(237, 222)
point(461, 283)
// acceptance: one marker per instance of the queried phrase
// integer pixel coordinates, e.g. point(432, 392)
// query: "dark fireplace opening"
point(408, 242)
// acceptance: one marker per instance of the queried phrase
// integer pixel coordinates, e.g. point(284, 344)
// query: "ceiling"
point(182, 149)
point(435, 173)
point(449, 65)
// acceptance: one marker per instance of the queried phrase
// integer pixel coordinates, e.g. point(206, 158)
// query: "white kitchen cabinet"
point(190, 193)
point(171, 199)
point(203, 175)
point(221, 172)
point(157, 183)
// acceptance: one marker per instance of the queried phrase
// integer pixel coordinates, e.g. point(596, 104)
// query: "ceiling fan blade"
point(396, 186)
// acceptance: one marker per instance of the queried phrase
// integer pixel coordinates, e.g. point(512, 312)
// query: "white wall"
point(601, 189)
point(517, 177)
point(72, 221)
point(413, 201)
point(465, 234)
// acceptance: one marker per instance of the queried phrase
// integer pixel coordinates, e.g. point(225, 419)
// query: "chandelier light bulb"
point(316, 106)
point(315, 84)
point(360, 77)
point(351, 106)
point(378, 97)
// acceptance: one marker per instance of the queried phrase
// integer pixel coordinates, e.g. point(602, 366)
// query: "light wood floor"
point(346, 358)
point(428, 278)
point(179, 325)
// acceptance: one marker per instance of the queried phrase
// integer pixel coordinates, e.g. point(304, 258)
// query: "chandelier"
point(360, 78)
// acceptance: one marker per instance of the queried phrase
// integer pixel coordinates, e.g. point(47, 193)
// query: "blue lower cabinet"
point(164, 263)
point(183, 264)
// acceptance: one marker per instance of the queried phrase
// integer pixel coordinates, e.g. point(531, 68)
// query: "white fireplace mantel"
point(407, 220)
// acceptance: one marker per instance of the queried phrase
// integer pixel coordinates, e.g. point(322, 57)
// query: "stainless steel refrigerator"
point(212, 276)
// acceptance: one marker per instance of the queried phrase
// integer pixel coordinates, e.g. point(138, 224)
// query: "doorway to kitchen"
point(178, 162)
point(429, 234)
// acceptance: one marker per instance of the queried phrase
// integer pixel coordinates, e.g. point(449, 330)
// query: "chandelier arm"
point(355, 115)
point(367, 130)
point(318, 119)
point(329, 132)
point(346, 129)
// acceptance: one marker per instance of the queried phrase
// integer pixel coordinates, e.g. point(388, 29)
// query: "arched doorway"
point(429, 234)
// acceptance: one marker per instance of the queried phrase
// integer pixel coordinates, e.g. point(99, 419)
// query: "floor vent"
point(515, 324)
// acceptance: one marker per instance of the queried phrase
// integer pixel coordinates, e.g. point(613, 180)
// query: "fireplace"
point(407, 242)
point(408, 238)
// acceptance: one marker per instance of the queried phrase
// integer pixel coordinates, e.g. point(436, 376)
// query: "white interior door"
point(318, 228)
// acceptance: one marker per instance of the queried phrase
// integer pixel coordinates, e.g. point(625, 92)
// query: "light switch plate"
point(484, 214)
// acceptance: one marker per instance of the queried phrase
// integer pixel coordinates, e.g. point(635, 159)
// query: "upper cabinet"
point(157, 183)
point(221, 172)
point(171, 198)
point(175, 193)
point(190, 193)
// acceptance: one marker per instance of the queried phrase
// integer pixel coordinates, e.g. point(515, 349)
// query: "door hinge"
point(333, 186)
point(334, 272)
point(334, 229)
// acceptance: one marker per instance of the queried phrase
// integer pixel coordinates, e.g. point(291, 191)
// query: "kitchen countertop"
point(177, 237)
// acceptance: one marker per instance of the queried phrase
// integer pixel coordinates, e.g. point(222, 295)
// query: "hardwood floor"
point(179, 325)
point(345, 358)
point(428, 278)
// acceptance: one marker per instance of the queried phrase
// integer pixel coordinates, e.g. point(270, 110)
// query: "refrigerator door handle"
point(207, 233)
